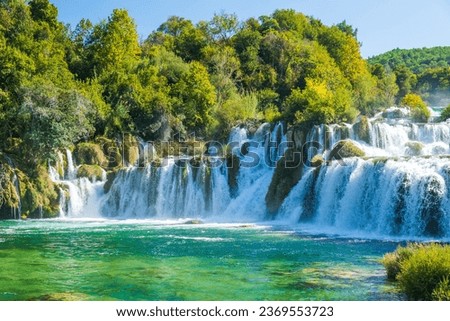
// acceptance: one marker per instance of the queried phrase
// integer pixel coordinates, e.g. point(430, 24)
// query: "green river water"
point(150, 260)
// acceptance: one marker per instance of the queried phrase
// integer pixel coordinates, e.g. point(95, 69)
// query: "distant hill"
point(417, 60)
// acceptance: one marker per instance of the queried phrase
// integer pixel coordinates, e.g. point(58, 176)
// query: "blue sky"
point(382, 25)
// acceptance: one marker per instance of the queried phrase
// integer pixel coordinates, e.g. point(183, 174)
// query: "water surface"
point(150, 260)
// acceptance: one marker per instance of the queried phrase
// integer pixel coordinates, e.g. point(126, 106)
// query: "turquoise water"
point(145, 260)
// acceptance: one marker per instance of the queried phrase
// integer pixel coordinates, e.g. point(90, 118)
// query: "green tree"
point(53, 119)
point(419, 110)
point(195, 98)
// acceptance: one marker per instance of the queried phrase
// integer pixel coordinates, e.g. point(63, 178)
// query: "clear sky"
point(382, 24)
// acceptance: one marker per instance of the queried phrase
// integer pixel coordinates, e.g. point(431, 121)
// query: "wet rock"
point(345, 149)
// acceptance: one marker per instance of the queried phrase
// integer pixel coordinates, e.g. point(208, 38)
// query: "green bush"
point(419, 110)
point(422, 271)
point(442, 291)
point(445, 114)
point(392, 261)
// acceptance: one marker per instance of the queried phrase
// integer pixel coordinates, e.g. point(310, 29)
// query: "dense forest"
point(62, 86)
point(425, 71)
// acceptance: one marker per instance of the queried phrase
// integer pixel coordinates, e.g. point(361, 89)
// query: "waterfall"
point(401, 187)
point(405, 197)
point(387, 138)
point(176, 190)
point(84, 195)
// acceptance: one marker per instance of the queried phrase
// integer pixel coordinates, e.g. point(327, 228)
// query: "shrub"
point(445, 114)
point(419, 110)
point(392, 261)
point(422, 271)
point(442, 291)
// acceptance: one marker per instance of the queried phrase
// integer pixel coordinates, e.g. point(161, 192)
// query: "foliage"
point(445, 114)
point(442, 291)
point(419, 110)
point(426, 272)
point(425, 71)
point(60, 86)
point(394, 260)
point(53, 119)
point(417, 60)
point(422, 270)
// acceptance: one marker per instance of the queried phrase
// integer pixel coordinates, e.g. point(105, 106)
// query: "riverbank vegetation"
point(421, 270)
point(82, 87)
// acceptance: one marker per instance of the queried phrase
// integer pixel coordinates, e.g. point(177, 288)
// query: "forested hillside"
point(425, 71)
point(60, 85)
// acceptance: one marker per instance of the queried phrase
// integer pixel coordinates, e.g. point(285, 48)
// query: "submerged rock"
point(65, 296)
point(193, 222)
point(414, 148)
point(344, 149)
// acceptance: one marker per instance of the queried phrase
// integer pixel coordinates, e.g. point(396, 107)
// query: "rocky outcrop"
point(90, 154)
point(345, 149)
point(287, 173)
point(92, 172)
point(362, 129)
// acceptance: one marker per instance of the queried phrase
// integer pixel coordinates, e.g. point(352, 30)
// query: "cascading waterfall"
point(406, 197)
point(181, 188)
point(388, 137)
point(84, 195)
point(399, 189)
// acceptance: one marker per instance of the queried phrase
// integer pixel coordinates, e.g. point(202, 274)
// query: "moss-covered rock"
point(414, 148)
point(344, 149)
point(317, 161)
point(9, 194)
point(362, 129)
point(93, 172)
point(90, 154)
point(111, 150)
point(130, 150)
point(287, 173)
point(39, 194)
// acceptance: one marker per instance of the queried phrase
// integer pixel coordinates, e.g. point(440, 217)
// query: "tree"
point(406, 80)
point(445, 114)
point(182, 37)
point(419, 110)
point(53, 119)
point(195, 98)
point(223, 26)
point(115, 44)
